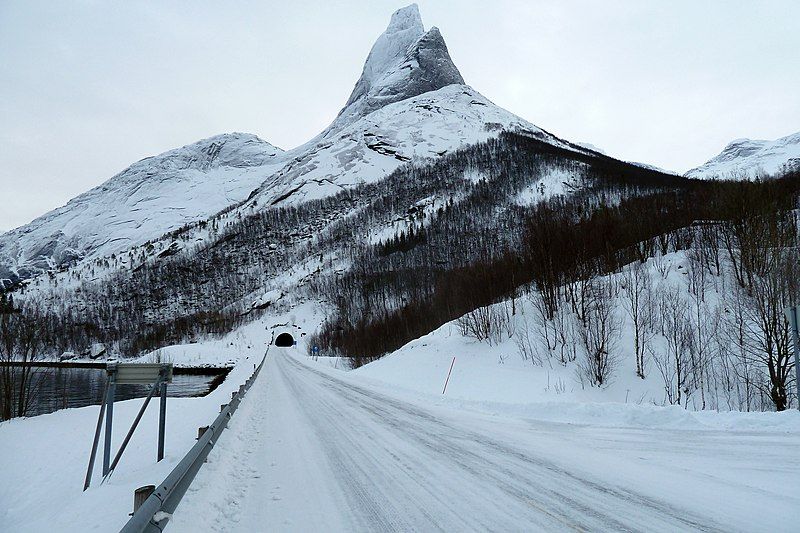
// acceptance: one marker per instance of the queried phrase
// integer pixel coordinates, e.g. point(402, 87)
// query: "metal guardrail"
point(152, 516)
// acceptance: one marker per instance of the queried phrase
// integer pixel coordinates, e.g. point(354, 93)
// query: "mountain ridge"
point(152, 196)
point(745, 158)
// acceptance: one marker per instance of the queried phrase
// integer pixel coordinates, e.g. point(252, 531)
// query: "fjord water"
point(63, 387)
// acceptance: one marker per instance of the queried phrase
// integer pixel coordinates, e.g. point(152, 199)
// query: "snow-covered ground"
point(313, 448)
point(44, 458)
point(499, 372)
point(555, 182)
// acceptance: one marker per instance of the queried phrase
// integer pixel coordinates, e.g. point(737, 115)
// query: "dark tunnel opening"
point(284, 340)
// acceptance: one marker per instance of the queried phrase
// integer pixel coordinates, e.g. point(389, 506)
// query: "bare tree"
point(526, 346)
point(662, 266)
point(598, 332)
point(564, 328)
point(674, 362)
point(764, 258)
point(767, 333)
point(703, 322)
point(637, 289)
point(543, 313)
point(20, 342)
point(486, 323)
point(742, 373)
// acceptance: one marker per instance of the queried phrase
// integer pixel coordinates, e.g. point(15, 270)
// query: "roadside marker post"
point(448, 375)
point(792, 317)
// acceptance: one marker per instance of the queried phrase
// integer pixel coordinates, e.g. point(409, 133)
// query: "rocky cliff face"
point(404, 62)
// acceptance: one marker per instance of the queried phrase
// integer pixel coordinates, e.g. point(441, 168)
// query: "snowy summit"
point(149, 198)
point(404, 62)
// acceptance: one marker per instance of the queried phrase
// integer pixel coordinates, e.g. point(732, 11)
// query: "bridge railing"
point(154, 513)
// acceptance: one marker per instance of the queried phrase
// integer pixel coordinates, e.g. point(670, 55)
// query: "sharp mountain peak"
point(404, 62)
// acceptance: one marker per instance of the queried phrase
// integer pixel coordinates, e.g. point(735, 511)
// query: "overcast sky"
point(89, 87)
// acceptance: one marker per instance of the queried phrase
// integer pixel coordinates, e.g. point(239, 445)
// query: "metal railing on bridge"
point(154, 513)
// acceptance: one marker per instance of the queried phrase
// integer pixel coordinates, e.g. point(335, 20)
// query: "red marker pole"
point(448, 375)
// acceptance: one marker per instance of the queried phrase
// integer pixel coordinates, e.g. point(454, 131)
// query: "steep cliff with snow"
point(409, 104)
point(404, 62)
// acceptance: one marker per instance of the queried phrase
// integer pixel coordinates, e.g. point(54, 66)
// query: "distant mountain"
point(748, 159)
point(151, 197)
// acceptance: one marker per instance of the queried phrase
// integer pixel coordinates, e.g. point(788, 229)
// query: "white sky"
point(89, 87)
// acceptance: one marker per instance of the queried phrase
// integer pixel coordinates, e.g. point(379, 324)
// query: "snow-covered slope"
point(410, 103)
point(425, 126)
point(748, 159)
point(149, 198)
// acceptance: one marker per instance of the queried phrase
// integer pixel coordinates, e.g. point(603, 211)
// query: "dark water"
point(59, 388)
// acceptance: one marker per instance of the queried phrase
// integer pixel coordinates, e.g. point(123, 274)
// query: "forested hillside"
point(394, 260)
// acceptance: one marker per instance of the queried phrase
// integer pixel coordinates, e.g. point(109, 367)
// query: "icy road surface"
point(313, 449)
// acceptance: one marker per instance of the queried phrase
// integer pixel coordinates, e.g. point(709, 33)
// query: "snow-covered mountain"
point(425, 126)
point(748, 159)
point(409, 104)
point(151, 197)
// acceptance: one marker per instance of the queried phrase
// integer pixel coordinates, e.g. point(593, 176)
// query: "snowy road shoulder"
point(43, 461)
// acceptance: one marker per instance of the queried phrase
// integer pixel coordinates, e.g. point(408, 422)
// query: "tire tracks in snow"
point(310, 451)
point(569, 500)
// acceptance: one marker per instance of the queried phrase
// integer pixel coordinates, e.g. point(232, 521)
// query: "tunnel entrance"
point(284, 340)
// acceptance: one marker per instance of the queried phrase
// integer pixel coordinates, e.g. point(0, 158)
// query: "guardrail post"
point(96, 440)
point(222, 407)
point(200, 431)
point(141, 494)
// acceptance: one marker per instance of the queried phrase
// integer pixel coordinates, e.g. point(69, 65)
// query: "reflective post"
point(162, 420)
point(112, 386)
point(791, 315)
